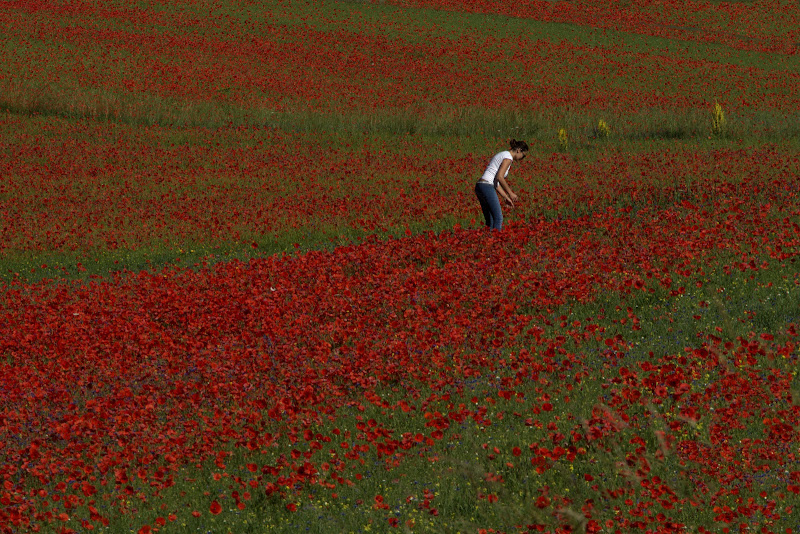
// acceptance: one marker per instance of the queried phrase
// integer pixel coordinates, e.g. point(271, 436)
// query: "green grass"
point(103, 264)
point(64, 94)
point(150, 110)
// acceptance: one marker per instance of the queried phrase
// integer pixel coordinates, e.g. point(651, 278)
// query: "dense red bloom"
point(228, 339)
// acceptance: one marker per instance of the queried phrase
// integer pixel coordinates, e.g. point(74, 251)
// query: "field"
point(245, 284)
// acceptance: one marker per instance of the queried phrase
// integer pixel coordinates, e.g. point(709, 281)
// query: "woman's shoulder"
point(505, 154)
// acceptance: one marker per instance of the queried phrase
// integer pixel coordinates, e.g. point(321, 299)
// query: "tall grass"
point(44, 99)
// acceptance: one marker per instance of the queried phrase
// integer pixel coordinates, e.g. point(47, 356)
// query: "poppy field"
point(245, 287)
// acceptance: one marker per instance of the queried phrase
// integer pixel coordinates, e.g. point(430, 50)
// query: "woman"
point(493, 182)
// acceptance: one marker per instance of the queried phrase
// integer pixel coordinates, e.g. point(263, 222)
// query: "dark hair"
point(522, 145)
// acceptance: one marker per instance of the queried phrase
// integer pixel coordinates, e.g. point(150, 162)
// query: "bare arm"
point(502, 194)
point(504, 188)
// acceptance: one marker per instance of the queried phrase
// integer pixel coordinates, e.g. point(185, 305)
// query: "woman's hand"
point(505, 189)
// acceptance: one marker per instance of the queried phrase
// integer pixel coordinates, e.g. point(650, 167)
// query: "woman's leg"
point(497, 212)
point(487, 213)
point(490, 205)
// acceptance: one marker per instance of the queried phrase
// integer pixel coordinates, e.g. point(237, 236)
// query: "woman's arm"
point(504, 188)
point(507, 188)
point(504, 195)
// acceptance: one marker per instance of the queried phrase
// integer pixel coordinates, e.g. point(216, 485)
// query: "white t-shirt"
point(490, 173)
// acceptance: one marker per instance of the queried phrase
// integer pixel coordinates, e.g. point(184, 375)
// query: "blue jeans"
point(490, 205)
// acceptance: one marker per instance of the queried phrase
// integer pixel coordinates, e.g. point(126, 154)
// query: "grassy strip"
point(59, 266)
point(35, 99)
